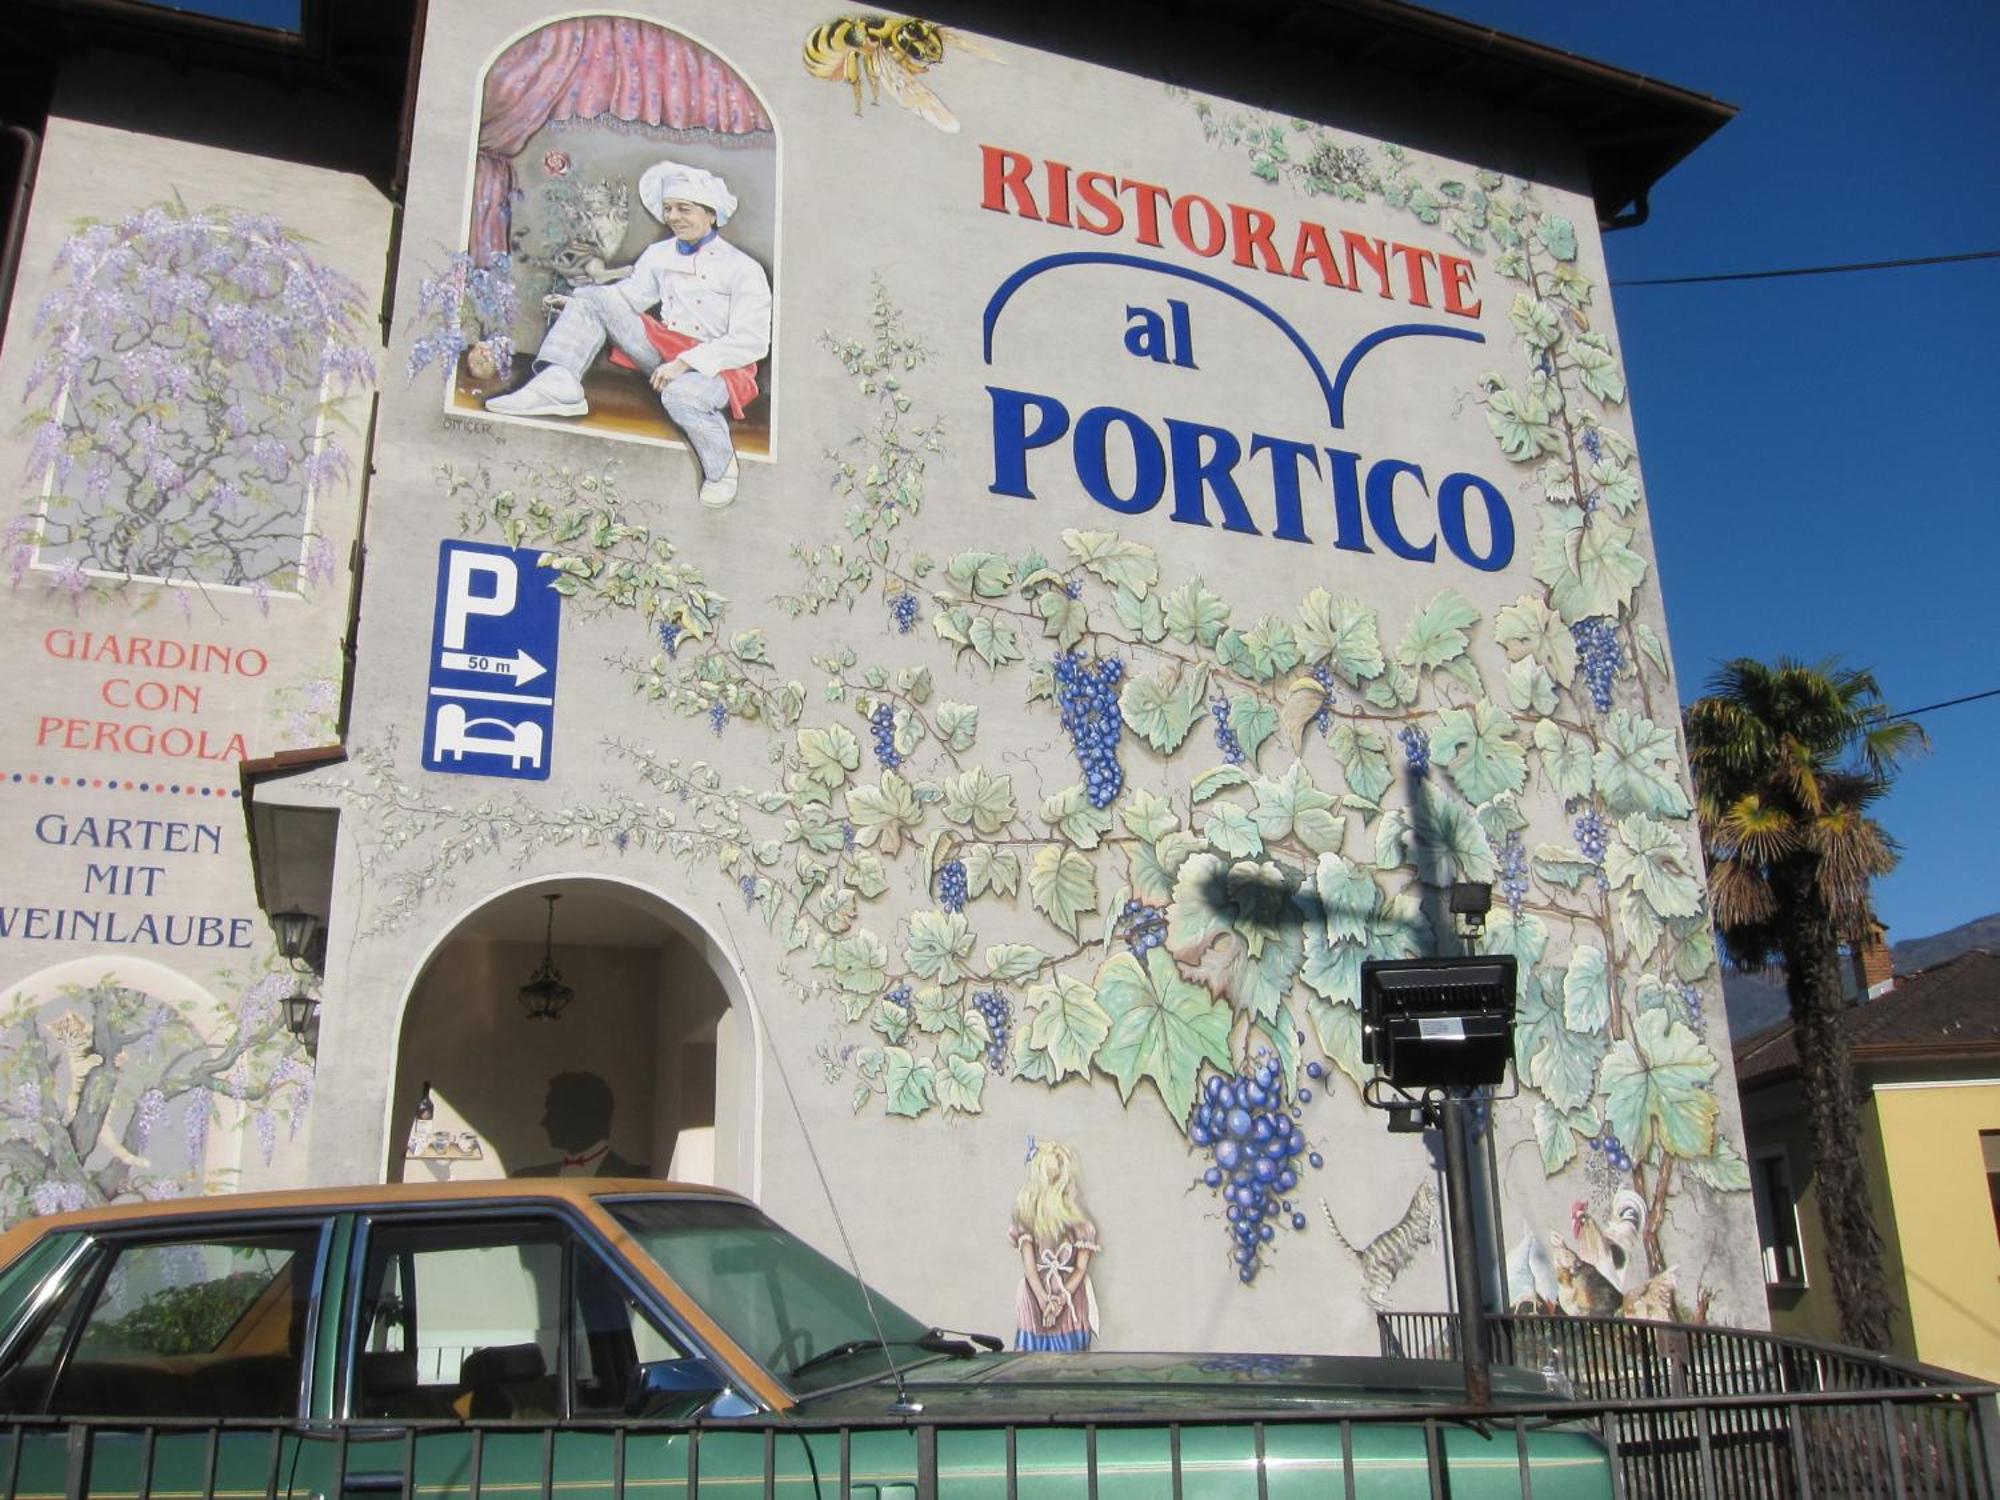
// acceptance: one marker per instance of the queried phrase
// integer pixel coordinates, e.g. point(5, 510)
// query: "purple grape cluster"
point(951, 887)
point(1593, 444)
point(1143, 927)
point(1592, 836)
point(1254, 1147)
point(999, 1013)
point(903, 610)
point(1323, 720)
point(1597, 645)
point(1613, 1149)
point(1087, 695)
point(718, 715)
point(1416, 749)
point(1225, 736)
point(670, 637)
point(1691, 998)
point(1514, 873)
point(882, 730)
point(748, 886)
point(900, 995)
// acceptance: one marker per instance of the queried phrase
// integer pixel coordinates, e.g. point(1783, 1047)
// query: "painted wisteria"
point(109, 1092)
point(187, 400)
point(466, 312)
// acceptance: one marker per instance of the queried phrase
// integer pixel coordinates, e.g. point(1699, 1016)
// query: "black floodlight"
point(1438, 1022)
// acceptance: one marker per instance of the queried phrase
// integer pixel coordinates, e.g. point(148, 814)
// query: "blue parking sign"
point(491, 709)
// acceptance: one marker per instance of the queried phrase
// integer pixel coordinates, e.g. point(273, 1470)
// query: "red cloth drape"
point(584, 68)
point(741, 382)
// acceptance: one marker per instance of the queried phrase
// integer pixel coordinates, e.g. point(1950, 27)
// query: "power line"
point(1911, 713)
point(1862, 265)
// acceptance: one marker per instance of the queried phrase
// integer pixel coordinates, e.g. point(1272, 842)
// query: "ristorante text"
point(1105, 204)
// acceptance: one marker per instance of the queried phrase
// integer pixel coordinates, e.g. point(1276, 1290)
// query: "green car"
point(594, 1336)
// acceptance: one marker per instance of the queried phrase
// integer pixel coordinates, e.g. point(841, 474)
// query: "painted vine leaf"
point(1561, 1062)
point(1344, 634)
point(1587, 563)
point(1291, 807)
point(1065, 1027)
point(1657, 1091)
point(1477, 749)
point(1163, 707)
point(1648, 857)
point(1162, 1029)
point(1637, 767)
point(940, 946)
point(1063, 886)
point(1558, 1131)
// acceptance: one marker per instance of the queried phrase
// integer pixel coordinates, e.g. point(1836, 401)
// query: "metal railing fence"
point(1886, 1443)
point(1708, 1411)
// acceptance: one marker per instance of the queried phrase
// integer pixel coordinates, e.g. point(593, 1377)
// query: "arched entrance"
point(649, 1070)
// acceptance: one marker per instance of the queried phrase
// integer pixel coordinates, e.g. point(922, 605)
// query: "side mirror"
point(671, 1388)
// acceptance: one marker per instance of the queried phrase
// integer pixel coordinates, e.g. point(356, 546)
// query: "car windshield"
point(783, 1302)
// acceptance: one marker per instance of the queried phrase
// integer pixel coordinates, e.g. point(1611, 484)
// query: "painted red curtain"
point(584, 68)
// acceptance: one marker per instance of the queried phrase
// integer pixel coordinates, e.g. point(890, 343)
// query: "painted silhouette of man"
point(577, 1116)
point(698, 351)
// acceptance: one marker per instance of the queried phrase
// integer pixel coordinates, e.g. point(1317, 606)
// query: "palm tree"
point(1787, 761)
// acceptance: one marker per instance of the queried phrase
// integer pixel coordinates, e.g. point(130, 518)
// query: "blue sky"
point(1816, 450)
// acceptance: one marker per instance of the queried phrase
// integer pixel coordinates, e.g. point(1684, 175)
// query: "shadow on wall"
point(577, 1116)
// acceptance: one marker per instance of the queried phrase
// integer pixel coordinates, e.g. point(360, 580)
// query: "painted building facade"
point(1076, 565)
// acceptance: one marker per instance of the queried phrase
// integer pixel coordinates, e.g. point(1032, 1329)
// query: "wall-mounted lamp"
point(301, 938)
point(302, 1016)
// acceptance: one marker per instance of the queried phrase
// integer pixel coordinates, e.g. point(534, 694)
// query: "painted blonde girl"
point(1054, 1305)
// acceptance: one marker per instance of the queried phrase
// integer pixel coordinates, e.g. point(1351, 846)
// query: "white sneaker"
point(716, 493)
point(554, 392)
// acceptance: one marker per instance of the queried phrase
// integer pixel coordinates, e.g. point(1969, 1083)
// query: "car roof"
point(572, 1190)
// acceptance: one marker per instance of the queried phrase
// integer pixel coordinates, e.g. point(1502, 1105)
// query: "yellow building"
point(1926, 1054)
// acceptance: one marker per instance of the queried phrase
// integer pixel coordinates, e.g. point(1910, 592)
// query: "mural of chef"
point(698, 351)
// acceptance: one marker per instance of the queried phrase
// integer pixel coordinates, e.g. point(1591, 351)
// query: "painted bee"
point(891, 51)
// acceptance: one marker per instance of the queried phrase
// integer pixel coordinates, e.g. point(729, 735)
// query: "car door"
point(161, 1362)
point(511, 1321)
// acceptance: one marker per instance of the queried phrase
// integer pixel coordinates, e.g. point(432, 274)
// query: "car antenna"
point(904, 1406)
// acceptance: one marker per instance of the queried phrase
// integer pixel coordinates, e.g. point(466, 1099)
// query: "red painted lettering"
point(1007, 176)
point(1373, 253)
point(1413, 267)
point(1058, 174)
point(1456, 274)
point(1218, 231)
point(1313, 246)
point(1252, 228)
point(1146, 201)
point(1098, 190)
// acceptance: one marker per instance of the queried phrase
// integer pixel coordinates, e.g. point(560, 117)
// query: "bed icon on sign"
point(491, 706)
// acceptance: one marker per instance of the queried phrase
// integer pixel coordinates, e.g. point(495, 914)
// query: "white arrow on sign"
point(522, 667)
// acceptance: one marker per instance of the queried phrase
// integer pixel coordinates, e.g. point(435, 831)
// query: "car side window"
point(495, 1319)
point(210, 1326)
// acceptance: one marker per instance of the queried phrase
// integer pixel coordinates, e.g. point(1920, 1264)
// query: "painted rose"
point(556, 164)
